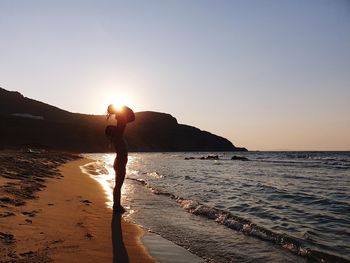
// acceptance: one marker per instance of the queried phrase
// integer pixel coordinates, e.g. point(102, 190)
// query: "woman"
point(123, 116)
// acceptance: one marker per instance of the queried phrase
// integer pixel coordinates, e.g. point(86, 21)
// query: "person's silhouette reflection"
point(120, 254)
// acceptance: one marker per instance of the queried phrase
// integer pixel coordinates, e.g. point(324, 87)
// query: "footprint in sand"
point(7, 214)
point(30, 213)
point(86, 202)
point(27, 254)
point(7, 238)
point(89, 236)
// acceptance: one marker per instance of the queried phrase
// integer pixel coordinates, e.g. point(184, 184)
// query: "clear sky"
point(266, 74)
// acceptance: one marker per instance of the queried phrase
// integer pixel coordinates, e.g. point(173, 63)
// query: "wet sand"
point(55, 215)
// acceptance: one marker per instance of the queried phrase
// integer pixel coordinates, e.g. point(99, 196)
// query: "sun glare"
point(118, 106)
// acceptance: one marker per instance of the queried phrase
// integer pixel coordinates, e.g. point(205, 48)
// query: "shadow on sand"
point(120, 254)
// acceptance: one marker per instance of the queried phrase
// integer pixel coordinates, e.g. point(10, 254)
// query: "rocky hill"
point(27, 123)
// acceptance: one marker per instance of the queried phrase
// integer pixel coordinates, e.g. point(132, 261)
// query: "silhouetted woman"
point(123, 116)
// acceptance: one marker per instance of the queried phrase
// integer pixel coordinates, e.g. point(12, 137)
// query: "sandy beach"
point(67, 221)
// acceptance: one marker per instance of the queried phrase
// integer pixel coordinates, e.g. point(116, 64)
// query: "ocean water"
point(273, 207)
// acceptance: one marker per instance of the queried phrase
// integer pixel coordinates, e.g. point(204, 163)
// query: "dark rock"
point(210, 157)
point(239, 158)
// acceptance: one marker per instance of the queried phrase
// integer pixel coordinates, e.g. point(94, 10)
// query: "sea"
point(239, 206)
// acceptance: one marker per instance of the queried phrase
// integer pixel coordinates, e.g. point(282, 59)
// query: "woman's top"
point(119, 141)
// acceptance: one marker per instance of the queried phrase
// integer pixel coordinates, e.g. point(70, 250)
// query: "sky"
point(266, 74)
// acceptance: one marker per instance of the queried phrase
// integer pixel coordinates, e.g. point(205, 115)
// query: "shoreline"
point(159, 248)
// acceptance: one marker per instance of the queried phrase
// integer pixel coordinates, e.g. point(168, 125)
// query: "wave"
point(95, 168)
point(98, 171)
point(295, 245)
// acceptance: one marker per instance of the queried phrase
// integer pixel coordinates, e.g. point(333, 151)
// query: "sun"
point(117, 97)
point(118, 106)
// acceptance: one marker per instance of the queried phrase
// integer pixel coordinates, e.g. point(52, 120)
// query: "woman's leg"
point(120, 170)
